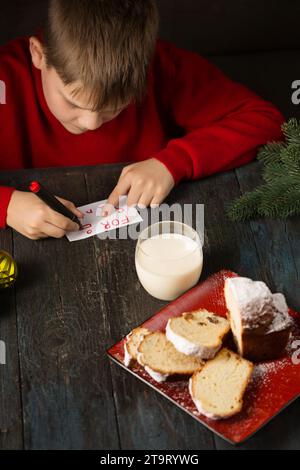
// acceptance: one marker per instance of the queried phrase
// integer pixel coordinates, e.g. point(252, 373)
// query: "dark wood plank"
point(276, 243)
point(145, 419)
point(277, 246)
point(66, 381)
point(225, 245)
point(68, 399)
point(11, 429)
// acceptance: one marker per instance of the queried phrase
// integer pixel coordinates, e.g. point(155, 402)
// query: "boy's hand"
point(146, 183)
point(31, 217)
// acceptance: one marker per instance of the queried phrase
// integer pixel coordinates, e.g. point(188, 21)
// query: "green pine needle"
point(271, 153)
point(272, 172)
point(245, 207)
point(291, 131)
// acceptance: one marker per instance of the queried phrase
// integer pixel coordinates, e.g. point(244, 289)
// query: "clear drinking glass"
point(168, 259)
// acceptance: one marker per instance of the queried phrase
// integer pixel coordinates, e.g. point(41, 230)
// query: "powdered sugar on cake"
point(255, 302)
point(281, 318)
point(260, 309)
point(188, 348)
point(157, 376)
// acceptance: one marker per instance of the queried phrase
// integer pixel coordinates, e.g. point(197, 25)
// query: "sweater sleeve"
point(222, 122)
point(5, 196)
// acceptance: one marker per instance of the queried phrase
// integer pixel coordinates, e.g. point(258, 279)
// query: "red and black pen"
point(52, 201)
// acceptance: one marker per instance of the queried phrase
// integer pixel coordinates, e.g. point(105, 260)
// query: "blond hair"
point(105, 45)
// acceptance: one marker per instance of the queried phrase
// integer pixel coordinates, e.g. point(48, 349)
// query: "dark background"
point(256, 42)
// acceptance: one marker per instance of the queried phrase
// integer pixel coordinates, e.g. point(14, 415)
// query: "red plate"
point(273, 386)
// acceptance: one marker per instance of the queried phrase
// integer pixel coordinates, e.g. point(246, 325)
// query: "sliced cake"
point(199, 333)
point(259, 320)
point(132, 343)
point(217, 390)
point(161, 360)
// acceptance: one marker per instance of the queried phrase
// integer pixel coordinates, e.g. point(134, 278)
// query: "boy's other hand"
point(31, 217)
point(145, 183)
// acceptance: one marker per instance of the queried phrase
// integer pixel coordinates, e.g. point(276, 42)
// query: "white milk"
point(168, 265)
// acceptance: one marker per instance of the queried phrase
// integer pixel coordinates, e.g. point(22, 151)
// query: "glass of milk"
point(168, 259)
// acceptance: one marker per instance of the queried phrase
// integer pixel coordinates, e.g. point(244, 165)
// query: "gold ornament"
point(8, 270)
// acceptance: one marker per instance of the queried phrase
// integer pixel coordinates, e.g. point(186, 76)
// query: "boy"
point(97, 87)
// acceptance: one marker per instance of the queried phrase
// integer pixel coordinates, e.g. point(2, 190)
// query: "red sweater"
point(194, 120)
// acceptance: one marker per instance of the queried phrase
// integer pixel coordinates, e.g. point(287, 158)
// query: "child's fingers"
point(50, 230)
point(145, 200)
point(41, 236)
point(79, 214)
point(156, 201)
point(107, 210)
point(71, 207)
point(120, 190)
point(134, 196)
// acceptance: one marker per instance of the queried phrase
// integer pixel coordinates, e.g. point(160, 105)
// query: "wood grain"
point(11, 422)
point(279, 265)
point(74, 300)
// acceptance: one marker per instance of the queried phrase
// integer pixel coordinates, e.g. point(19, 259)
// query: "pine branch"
point(276, 197)
point(245, 207)
point(272, 172)
point(271, 153)
point(291, 131)
point(279, 196)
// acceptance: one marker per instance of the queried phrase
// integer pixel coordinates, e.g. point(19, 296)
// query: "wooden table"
point(74, 300)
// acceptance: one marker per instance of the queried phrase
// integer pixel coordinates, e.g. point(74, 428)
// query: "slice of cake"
point(132, 343)
point(161, 360)
point(259, 320)
point(218, 389)
point(199, 333)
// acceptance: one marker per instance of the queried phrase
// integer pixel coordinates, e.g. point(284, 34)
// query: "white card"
point(93, 223)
